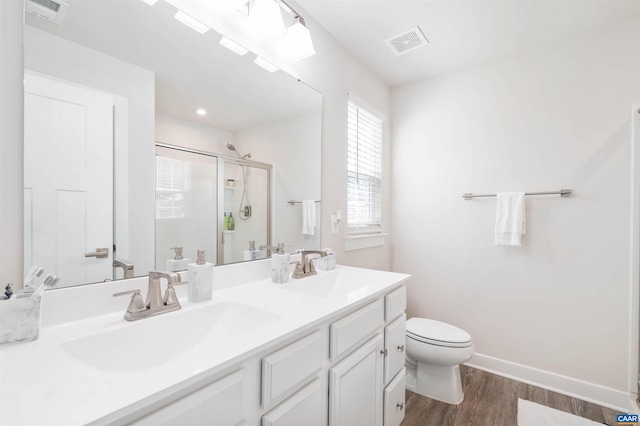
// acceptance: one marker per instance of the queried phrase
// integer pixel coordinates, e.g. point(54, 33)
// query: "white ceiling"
point(460, 32)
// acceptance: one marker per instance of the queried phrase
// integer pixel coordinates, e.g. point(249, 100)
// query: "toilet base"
point(438, 382)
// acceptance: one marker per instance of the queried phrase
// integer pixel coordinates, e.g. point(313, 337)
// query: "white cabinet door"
point(305, 407)
point(394, 341)
point(286, 370)
point(394, 401)
point(356, 386)
point(220, 403)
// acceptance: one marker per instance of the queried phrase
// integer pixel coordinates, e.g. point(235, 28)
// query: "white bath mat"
point(532, 414)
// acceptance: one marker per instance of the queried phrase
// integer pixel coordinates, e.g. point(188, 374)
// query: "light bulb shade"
point(298, 41)
point(267, 18)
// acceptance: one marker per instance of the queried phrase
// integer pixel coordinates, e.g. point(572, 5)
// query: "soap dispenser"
point(200, 279)
point(280, 265)
point(178, 263)
point(252, 253)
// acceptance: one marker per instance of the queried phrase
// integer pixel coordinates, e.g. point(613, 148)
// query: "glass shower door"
point(186, 207)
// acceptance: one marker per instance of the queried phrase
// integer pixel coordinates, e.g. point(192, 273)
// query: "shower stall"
point(197, 194)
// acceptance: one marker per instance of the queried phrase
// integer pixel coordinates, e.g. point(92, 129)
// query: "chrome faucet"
point(156, 303)
point(305, 267)
point(127, 267)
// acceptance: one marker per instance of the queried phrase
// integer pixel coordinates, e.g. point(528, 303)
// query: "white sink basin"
point(339, 282)
point(154, 341)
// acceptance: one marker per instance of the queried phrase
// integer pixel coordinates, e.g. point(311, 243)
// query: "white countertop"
point(71, 377)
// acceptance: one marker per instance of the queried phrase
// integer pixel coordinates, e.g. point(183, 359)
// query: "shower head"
point(232, 147)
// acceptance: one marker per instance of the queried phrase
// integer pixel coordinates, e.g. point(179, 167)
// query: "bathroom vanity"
point(323, 350)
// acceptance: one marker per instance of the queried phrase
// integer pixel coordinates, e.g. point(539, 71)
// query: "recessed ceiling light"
point(266, 65)
point(201, 111)
point(191, 22)
point(233, 46)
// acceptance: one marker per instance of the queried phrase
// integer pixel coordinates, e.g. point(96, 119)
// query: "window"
point(172, 185)
point(364, 169)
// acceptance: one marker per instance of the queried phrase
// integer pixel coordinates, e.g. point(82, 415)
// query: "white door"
point(356, 387)
point(68, 181)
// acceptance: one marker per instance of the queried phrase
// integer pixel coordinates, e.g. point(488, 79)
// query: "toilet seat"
point(437, 333)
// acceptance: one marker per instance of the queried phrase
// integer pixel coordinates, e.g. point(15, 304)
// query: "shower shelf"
point(229, 187)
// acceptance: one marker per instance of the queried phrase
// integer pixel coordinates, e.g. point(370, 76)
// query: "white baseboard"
point(586, 391)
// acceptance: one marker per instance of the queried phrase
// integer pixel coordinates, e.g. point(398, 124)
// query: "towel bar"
point(562, 193)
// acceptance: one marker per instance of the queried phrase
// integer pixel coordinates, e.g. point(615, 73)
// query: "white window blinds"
point(173, 178)
point(364, 170)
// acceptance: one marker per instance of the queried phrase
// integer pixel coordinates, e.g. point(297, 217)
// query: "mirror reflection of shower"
point(244, 213)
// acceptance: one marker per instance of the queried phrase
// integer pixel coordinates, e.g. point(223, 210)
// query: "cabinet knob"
point(400, 405)
point(401, 348)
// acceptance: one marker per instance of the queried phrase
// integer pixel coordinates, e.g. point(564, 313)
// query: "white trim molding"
point(586, 391)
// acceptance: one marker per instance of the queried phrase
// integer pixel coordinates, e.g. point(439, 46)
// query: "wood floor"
point(493, 401)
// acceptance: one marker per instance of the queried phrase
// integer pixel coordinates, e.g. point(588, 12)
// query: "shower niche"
point(209, 201)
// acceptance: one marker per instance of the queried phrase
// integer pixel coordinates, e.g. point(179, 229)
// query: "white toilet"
point(434, 352)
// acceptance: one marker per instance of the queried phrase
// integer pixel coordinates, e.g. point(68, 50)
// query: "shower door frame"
point(222, 161)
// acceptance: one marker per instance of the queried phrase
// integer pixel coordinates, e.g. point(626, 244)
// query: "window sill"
point(358, 242)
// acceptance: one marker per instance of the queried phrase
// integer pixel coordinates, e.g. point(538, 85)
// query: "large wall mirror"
point(109, 88)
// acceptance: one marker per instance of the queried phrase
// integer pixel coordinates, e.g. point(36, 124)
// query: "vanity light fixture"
point(201, 111)
point(191, 22)
point(266, 65)
point(267, 18)
point(233, 46)
point(298, 40)
point(150, 2)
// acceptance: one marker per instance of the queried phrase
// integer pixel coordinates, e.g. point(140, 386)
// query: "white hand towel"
point(510, 219)
point(309, 217)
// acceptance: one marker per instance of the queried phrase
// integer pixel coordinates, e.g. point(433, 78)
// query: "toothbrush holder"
point(20, 319)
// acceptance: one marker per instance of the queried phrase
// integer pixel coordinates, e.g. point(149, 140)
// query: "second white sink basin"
point(340, 282)
point(154, 341)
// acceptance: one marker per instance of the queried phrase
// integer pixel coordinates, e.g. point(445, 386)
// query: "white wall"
point(556, 310)
point(134, 96)
point(293, 147)
point(175, 131)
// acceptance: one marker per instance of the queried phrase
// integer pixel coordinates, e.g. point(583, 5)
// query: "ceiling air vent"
point(407, 41)
point(49, 10)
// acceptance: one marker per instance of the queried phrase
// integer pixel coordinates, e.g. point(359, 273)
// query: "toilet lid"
point(431, 330)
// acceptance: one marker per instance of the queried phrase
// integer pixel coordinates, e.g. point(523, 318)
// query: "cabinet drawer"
point(355, 327)
point(394, 401)
point(288, 369)
point(394, 343)
point(220, 403)
point(305, 407)
point(395, 303)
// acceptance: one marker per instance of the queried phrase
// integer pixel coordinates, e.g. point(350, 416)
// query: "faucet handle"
point(170, 297)
point(136, 304)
